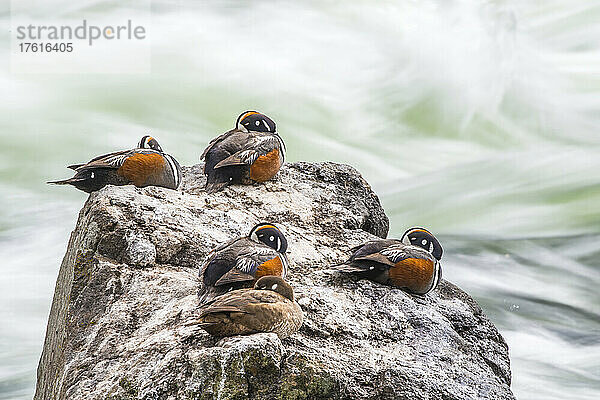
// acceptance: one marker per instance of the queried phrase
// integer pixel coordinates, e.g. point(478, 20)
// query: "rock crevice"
point(127, 285)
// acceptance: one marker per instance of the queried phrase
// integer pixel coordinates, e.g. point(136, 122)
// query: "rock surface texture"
point(128, 282)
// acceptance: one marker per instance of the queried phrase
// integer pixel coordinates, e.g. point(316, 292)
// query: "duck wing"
point(216, 140)
point(259, 146)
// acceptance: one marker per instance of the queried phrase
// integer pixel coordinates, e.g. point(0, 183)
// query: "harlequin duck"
point(251, 152)
point(241, 261)
point(411, 263)
point(146, 165)
point(268, 307)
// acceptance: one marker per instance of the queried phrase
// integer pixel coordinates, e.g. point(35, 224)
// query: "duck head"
point(270, 235)
point(148, 142)
point(421, 237)
point(255, 122)
point(276, 284)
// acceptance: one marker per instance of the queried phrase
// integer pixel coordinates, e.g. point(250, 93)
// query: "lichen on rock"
point(128, 282)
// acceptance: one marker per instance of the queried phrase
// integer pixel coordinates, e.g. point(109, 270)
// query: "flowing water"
point(476, 119)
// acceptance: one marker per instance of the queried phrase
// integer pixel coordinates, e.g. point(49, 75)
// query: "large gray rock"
point(127, 286)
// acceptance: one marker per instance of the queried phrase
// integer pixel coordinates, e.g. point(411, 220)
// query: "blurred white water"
point(476, 119)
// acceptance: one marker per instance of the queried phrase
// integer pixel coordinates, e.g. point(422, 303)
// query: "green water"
point(476, 119)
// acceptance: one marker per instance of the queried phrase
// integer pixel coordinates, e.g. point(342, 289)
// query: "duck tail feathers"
point(213, 187)
point(70, 181)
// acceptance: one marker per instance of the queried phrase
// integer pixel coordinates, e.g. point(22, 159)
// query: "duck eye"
point(272, 238)
point(424, 242)
point(274, 287)
point(257, 123)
